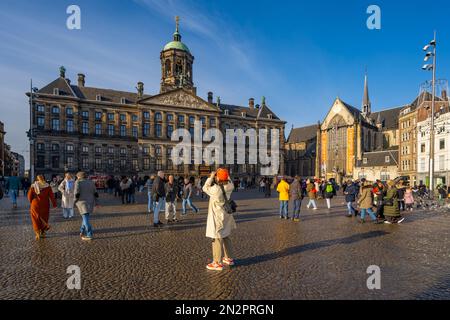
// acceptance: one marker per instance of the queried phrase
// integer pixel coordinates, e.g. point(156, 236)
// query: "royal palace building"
point(103, 131)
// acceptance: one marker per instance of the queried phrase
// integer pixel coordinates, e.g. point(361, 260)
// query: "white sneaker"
point(400, 221)
point(314, 208)
point(214, 266)
point(228, 261)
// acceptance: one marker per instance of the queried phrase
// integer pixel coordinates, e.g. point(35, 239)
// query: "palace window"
point(158, 130)
point(40, 161)
point(212, 122)
point(40, 122)
point(69, 148)
point(55, 147)
point(111, 150)
point(146, 150)
point(180, 120)
point(110, 129)
point(123, 131)
point(123, 117)
point(69, 162)
point(85, 114)
point(98, 116)
point(69, 111)
point(85, 149)
point(134, 118)
point(85, 128)
point(387, 159)
point(55, 162)
point(135, 131)
point(422, 148)
point(40, 108)
point(40, 147)
point(55, 124)
point(442, 144)
point(364, 160)
point(170, 117)
point(146, 163)
point(158, 116)
point(146, 115)
point(191, 120)
point(146, 130)
point(98, 129)
point(69, 126)
point(110, 116)
point(169, 130)
point(98, 164)
point(98, 149)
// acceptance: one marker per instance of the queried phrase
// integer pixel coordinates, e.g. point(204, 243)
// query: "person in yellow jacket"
point(283, 190)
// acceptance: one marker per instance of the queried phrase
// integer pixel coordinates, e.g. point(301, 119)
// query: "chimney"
point(68, 81)
point(81, 80)
point(444, 95)
point(210, 97)
point(251, 103)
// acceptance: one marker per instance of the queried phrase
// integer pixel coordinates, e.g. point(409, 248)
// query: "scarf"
point(38, 186)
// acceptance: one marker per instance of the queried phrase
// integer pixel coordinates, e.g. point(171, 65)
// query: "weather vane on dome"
point(177, 22)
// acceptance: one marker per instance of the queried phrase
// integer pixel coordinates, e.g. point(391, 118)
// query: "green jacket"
point(393, 210)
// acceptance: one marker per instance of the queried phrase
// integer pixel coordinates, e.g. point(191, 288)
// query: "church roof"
point(378, 158)
point(302, 134)
point(261, 112)
point(388, 117)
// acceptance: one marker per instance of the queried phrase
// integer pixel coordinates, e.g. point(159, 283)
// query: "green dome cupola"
point(176, 64)
point(176, 43)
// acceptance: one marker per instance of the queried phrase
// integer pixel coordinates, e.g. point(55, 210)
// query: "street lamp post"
point(432, 67)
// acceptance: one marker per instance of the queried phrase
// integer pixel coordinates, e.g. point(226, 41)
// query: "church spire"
point(366, 101)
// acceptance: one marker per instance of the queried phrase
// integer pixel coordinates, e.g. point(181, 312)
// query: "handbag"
point(230, 205)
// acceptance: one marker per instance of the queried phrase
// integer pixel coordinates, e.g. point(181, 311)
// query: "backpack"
point(329, 188)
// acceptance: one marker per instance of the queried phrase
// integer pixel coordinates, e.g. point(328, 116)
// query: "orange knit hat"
point(222, 174)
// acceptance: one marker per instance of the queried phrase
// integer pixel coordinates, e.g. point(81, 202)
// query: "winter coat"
point(171, 192)
point(85, 195)
point(409, 198)
point(295, 190)
point(283, 189)
point(350, 193)
point(309, 189)
point(13, 183)
point(67, 189)
point(158, 189)
point(366, 199)
point(393, 210)
point(219, 223)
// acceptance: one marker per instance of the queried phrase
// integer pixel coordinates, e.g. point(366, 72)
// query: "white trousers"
point(171, 208)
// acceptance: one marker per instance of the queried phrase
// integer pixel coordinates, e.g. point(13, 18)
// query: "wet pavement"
point(325, 256)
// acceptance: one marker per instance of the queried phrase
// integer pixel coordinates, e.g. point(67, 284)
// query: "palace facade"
point(104, 131)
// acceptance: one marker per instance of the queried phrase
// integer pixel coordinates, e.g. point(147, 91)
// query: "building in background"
point(441, 139)
point(104, 131)
point(347, 133)
point(382, 165)
point(301, 151)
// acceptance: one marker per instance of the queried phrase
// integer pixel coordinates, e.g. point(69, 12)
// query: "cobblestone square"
point(325, 256)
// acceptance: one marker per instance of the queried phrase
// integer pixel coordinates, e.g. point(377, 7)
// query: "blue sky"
point(299, 55)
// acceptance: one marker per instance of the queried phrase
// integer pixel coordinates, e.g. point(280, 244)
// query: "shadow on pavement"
point(309, 246)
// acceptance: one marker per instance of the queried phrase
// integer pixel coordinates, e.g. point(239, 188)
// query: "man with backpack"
point(329, 192)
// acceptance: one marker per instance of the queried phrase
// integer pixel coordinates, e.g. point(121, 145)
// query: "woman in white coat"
point(67, 189)
point(219, 223)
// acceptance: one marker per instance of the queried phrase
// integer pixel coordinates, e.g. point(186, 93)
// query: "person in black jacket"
point(171, 192)
point(159, 197)
point(351, 190)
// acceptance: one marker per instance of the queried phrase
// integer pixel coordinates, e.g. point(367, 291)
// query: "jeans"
point(131, 198)
point(297, 205)
point(371, 214)
point(150, 204)
point(284, 208)
point(86, 228)
point(13, 194)
point(351, 210)
point(311, 202)
point(188, 201)
point(67, 212)
point(159, 206)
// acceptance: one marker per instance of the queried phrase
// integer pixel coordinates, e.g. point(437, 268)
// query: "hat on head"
point(222, 174)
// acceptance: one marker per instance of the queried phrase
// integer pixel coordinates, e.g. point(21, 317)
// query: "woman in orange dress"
point(40, 195)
